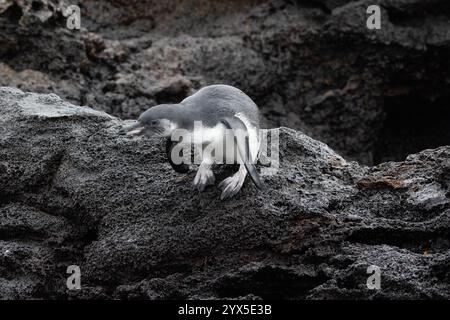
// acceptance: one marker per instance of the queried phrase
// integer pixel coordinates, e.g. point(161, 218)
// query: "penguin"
point(221, 110)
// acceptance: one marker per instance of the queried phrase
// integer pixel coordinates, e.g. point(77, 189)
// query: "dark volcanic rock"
point(75, 192)
point(310, 65)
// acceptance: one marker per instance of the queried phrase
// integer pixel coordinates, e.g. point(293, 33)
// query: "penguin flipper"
point(242, 141)
point(180, 168)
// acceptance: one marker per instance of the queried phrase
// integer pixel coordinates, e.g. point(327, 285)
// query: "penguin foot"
point(232, 185)
point(203, 178)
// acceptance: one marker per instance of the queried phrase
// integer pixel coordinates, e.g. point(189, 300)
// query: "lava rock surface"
point(74, 191)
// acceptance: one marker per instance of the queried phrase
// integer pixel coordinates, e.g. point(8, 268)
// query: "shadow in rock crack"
point(415, 13)
point(269, 282)
point(417, 241)
point(412, 124)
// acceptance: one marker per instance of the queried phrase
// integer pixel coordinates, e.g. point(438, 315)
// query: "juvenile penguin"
point(221, 109)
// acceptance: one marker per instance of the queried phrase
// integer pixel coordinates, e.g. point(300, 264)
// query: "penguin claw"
point(226, 194)
point(230, 187)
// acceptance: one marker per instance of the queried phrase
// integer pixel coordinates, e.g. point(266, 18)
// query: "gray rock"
point(75, 192)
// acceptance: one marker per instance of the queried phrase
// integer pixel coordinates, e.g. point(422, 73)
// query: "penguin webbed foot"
point(232, 185)
point(203, 178)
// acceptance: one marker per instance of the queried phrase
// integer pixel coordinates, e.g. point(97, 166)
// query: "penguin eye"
point(153, 122)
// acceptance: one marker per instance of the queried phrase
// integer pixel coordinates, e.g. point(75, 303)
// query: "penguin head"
point(158, 121)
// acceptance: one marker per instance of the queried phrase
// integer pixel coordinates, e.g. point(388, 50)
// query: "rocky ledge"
point(75, 192)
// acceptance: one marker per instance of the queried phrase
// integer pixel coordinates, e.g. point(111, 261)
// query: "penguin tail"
point(242, 142)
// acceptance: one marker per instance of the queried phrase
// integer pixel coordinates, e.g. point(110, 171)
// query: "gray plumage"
point(209, 105)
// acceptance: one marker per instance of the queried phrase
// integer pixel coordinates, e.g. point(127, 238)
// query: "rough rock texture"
point(311, 65)
point(75, 192)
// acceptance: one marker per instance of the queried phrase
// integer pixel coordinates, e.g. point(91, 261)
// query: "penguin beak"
point(133, 130)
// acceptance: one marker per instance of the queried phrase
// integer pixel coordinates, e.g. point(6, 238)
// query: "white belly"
point(214, 143)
